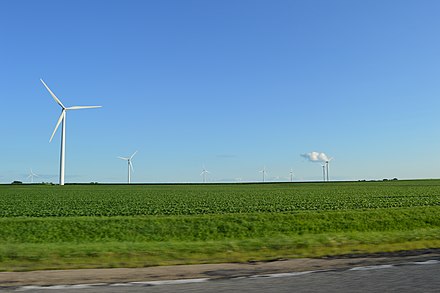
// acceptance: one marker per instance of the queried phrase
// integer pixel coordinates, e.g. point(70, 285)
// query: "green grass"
point(78, 226)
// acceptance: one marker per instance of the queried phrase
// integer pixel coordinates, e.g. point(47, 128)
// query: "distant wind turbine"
point(264, 173)
point(204, 172)
point(32, 175)
point(323, 172)
point(130, 165)
point(63, 128)
point(291, 175)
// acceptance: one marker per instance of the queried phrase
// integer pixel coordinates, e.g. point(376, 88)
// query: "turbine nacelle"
point(205, 172)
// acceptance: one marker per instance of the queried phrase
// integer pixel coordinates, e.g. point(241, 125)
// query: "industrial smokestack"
point(326, 165)
point(317, 157)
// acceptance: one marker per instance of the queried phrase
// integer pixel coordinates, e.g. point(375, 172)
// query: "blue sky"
point(232, 85)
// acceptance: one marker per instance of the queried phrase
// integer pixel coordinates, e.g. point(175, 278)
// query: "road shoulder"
point(211, 271)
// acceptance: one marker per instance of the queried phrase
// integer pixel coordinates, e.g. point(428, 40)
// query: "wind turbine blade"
point(63, 113)
point(82, 107)
point(133, 155)
point(52, 94)
point(122, 158)
point(131, 165)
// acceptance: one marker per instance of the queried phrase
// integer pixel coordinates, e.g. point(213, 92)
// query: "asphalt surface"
point(422, 277)
point(407, 273)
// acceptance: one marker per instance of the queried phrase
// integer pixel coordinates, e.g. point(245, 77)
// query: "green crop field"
point(90, 226)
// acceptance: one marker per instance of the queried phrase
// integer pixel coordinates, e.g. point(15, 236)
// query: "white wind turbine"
point(130, 165)
point(264, 173)
point(291, 175)
point(204, 172)
point(63, 128)
point(32, 175)
point(323, 172)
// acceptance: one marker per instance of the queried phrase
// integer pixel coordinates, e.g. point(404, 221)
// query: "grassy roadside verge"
point(103, 242)
point(28, 256)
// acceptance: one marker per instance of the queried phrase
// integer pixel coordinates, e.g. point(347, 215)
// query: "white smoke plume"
point(316, 157)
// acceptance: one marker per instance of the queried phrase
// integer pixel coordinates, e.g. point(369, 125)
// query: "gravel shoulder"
point(212, 271)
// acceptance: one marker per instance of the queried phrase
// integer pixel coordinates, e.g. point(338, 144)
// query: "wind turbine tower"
point(264, 173)
point(130, 165)
point(291, 175)
point(62, 119)
point(323, 172)
point(204, 172)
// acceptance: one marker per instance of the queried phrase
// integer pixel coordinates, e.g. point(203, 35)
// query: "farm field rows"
point(82, 226)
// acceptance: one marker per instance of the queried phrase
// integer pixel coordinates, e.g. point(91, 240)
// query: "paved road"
point(423, 276)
